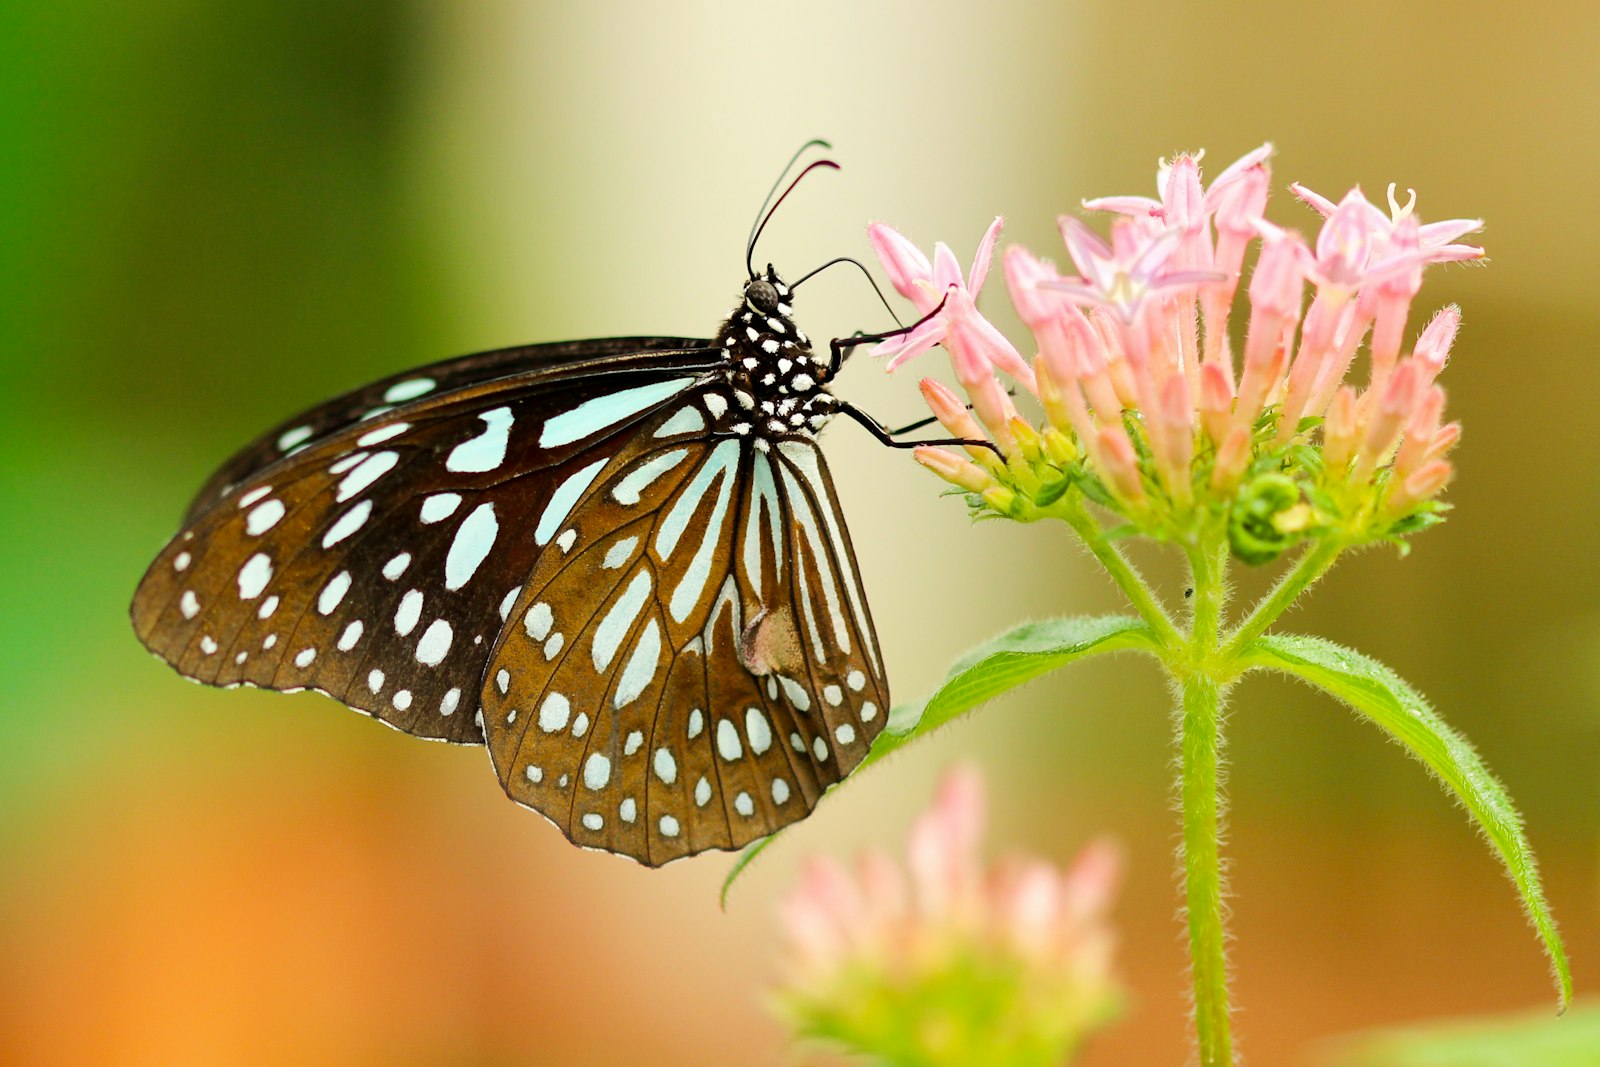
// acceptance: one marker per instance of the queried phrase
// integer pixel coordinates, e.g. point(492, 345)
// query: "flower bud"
point(1266, 516)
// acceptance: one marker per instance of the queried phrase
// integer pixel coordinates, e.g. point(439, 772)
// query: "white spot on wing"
point(351, 635)
point(619, 620)
point(290, 438)
point(409, 611)
point(397, 566)
point(254, 576)
point(383, 433)
point(440, 506)
point(665, 766)
point(641, 666)
point(636, 481)
point(333, 593)
point(473, 540)
point(596, 771)
point(486, 451)
point(553, 713)
point(410, 389)
point(757, 730)
point(366, 472)
point(719, 464)
point(685, 420)
point(538, 620)
point(728, 746)
point(619, 553)
point(263, 517)
point(563, 500)
point(607, 410)
point(347, 524)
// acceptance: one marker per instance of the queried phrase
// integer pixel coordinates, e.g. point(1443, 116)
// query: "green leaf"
point(1512, 1041)
point(1380, 695)
point(983, 673)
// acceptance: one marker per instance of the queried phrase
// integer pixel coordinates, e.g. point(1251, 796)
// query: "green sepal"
point(1050, 492)
point(1381, 696)
point(1000, 664)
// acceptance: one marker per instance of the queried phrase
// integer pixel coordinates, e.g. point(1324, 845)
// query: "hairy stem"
point(1202, 677)
point(1312, 565)
point(1202, 868)
point(1122, 572)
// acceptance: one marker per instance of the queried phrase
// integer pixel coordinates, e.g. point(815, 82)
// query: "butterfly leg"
point(841, 347)
point(887, 436)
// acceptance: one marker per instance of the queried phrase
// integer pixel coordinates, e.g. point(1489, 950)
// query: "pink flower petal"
point(981, 258)
point(902, 261)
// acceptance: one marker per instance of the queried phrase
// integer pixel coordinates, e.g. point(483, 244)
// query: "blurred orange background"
point(216, 214)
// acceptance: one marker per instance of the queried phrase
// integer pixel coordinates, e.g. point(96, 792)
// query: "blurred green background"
point(213, 214)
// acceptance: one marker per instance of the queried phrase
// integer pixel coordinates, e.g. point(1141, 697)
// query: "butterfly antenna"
point(870, 281)
point(755, 223)
point(750, 249)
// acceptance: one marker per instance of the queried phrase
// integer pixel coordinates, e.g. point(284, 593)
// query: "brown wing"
point(700, 665)
point(377, 565)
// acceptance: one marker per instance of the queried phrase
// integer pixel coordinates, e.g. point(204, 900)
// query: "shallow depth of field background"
point(213, 214)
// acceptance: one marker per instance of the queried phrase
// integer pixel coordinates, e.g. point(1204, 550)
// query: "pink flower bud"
point(954, 416)
point(1423, 485)
point(1119, 465)
point(1383, 424)
point(954, 469)
point(1024, 271)
point(1173, 438)
point(1340, 431)
point(1445, 440)
point(1216, 402)
point(1420, 430)
point(1233, 455)
point(1432, 349)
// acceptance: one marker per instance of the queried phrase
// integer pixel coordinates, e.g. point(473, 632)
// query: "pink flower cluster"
point(878, 925)
point(1142, 327)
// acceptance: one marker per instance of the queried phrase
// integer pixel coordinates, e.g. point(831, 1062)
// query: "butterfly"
point(620, 564)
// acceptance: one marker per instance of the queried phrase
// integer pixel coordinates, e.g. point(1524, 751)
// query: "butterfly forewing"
point(565, 359)
point(698, 667)
point(379, 564)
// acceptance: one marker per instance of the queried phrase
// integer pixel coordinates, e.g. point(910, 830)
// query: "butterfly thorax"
point(775, 378)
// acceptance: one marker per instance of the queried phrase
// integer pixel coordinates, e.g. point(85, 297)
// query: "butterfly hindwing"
point(378, 564)
point(697, 666)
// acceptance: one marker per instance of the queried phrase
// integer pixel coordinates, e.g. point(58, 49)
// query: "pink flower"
point(874, 950)
point(1135, 367)
point(973, 342)
point(1121, 275)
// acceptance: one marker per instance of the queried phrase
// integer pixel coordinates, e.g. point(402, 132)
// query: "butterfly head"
point(766, 294)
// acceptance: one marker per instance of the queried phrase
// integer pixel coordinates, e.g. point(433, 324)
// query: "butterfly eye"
point(763, 295)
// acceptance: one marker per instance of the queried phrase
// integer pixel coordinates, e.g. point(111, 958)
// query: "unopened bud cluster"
point(1149, 410)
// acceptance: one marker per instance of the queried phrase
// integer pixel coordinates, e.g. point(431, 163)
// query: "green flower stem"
point(1202, 868)
point(1203, 675)
point(1122, 572)
point(1312, 565)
